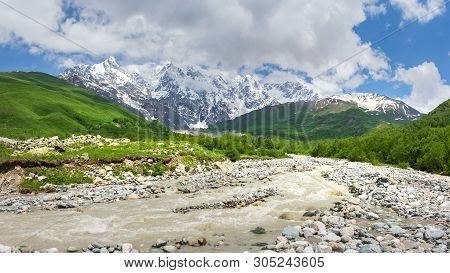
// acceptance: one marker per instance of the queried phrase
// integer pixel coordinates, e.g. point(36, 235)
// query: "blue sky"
point(415, 62)
point(416, 44)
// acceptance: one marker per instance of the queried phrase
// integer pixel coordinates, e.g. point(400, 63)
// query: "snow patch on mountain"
point(378, 104)
point(107, 80)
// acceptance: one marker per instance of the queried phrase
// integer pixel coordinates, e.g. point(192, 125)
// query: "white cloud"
point(374, 8)
point(297, 34)
point(66, 63)
point(428, 89)
point(417, 10)
point(281, 76)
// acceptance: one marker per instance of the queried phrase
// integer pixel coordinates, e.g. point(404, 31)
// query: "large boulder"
point(432, 233)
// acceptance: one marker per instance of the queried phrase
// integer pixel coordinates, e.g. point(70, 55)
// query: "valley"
point(295, 204)
point(91, 162)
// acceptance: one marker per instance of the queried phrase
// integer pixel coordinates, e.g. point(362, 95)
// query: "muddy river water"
point(143, 221)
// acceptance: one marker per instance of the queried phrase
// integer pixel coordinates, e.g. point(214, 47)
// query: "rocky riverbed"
point(299, 204)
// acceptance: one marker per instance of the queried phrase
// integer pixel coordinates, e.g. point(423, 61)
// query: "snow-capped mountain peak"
point(111, 62)
point(377, 103)
point(109, 81)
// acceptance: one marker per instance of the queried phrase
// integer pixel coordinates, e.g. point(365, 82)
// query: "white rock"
point(331, 237)
point(308, 232)
point(5, 249)
point(363, 197)
point(41, 178)
point(336, 220)
point(300, 244)
point(169, 249)
point(52, 250)
point(127, 247)
point(433, 233)
point(324, 249)
point(445, 205)
point(372, 216)
point(133, 196)
point(317, 225)
point(347, 231)
point(397, 244)
point(308, 249)
point(354, 200)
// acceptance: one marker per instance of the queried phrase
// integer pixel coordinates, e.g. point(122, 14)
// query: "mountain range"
point(184, 96)
point(189, 97)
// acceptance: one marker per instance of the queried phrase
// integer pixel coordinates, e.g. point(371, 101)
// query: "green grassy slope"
point(302, 121)
point(39, 105)
point(423, 144)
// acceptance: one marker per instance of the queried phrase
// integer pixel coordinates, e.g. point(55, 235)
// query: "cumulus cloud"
point(295, 34)
point(423, 11)
point(282, 76)
point(373, 7)
point(428, 88)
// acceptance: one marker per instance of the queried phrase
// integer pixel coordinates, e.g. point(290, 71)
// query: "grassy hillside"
point(304, 121)
point(40, 105)
point(423, 144)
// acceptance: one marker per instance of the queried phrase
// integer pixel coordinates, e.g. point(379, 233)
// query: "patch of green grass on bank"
point(156, 149)
point(55, 176)
point(145, 169)
point(5, 153)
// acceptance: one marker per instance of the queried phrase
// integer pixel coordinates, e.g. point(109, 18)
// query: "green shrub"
point(233, 154)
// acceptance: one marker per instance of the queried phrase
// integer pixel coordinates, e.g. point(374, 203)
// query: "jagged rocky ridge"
point(190, 97)
point(380, 104)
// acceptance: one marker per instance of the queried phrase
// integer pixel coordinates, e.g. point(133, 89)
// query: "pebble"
point(324, 249)
point(396, 230)
point(159, 243)
point(291, 233)
point(308, 249)
point(5, 249)
point(370, 248)
point(71, 249)
point(127, 248)
point(331, 237)
point(432, 233)
point(258, 230)
point(169, 249)
point(196, 242)
point(372, 216)
point(347, 231)
point(52, 250)
point(308, 232)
